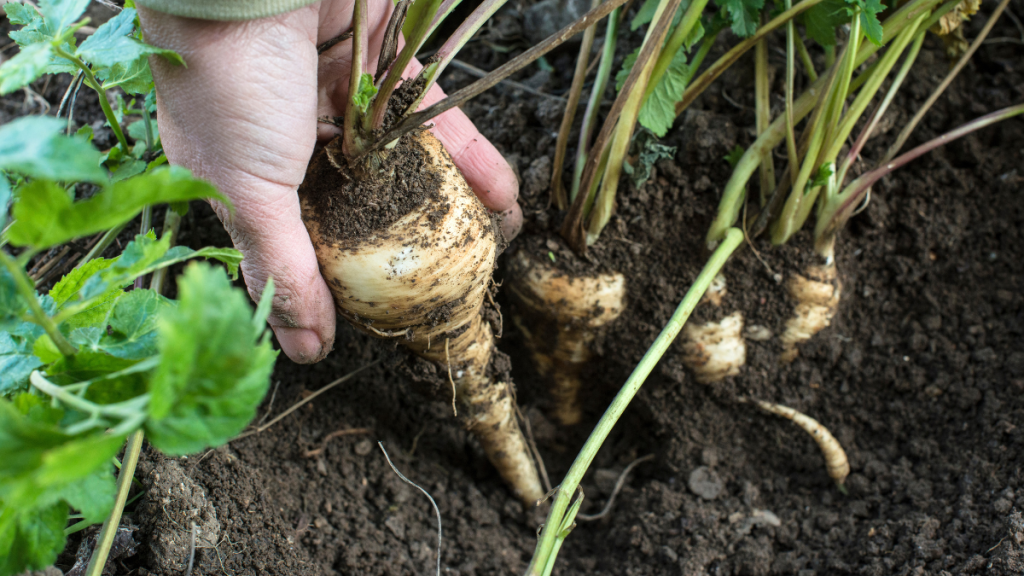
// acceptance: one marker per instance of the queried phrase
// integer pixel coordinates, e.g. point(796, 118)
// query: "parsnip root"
point(817, 295)
point(560, 316)
point(715, 350)
point(836, 463)
point(423, 280)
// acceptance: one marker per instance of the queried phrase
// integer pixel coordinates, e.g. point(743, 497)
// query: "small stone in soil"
point(704, 482)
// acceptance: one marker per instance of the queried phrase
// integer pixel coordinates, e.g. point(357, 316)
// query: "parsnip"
point(836, 463)
point(715, 350)
point(560, 316)
point(816, 293)
point(423, 280)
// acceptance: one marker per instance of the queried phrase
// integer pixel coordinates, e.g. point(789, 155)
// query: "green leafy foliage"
point(115, 51)
point(34, 146)
point(89, 363)
point(46, 215)
point(365, 94)
point(650, 151)
point(43, 472)
point(659, 110)
point(822, 20)
point(821, 177)
point(743, 15)
point(734, 155)
point(207, 389)
point(872, 27)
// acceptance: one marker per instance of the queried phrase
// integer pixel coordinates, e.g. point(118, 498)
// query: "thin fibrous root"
point(561, 315)
point(816, 293)
point(836, 463)
point(715, 350)
point(438, 257)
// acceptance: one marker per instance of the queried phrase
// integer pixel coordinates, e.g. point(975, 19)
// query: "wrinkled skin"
point(243, 114)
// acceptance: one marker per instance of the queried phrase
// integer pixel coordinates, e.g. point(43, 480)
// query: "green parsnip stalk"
point(734, 191)
point(560, 517)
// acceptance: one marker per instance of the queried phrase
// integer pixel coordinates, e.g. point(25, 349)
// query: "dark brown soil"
point(921, 377)
point(345, 207)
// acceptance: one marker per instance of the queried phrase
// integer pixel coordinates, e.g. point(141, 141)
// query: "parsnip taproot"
point(816, 294)
point(422, 280)
point(714, 350)
point(836, 462)
point(561, 314)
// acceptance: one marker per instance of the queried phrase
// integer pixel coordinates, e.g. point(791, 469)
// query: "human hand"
point(243, 115)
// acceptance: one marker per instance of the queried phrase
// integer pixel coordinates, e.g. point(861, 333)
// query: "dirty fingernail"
point(302, 345)
point(511, 222)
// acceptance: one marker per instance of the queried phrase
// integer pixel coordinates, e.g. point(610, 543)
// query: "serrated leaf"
point(821, 21)
point(651, 151)
point(821, 177)
point(133, 77)
point(734, 155)
point(137, 130)
point(365, 93)
point(215, 365)
point(872, 28)
point(743, 15)
point(27, 65)
point(30, 539)
point(17, 361)
point(67, 287)
point(46, 216)
point(41, 466)
point(132, 322)
point(627, 65)
point(645, 14)
point(659, 111)
point(34, 146)
point(145, 255)
point(59, 14)
point(130, 167)
point(113, 45)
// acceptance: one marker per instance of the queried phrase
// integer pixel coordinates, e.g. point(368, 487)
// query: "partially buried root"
point(561, 315)
point(816, 293)
point(836, 463)
point(422, 280)
point(715, 350)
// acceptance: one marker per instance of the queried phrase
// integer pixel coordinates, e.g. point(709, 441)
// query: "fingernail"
point(511, 223)
point(302, 345)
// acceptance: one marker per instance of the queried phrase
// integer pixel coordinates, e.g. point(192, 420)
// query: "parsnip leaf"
point(34, 146)
point(822, 20)
point(30, 539)
point(659, 111)
point(743, 15)
point(119, 57)
point(17, 360)
point(46, 216)
point(366, 92)
point(145, 255)
point(734, 155)
point(215, 364)
point(650, 152)
point(869, 10)
point(27, 65)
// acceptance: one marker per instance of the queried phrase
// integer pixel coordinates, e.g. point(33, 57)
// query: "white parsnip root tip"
point(715, 350)
point(816, 294)
point(423, 280)
point(836, 463)
point(560, 316)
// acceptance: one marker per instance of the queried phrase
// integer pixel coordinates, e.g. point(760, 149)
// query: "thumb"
point(267, 228)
